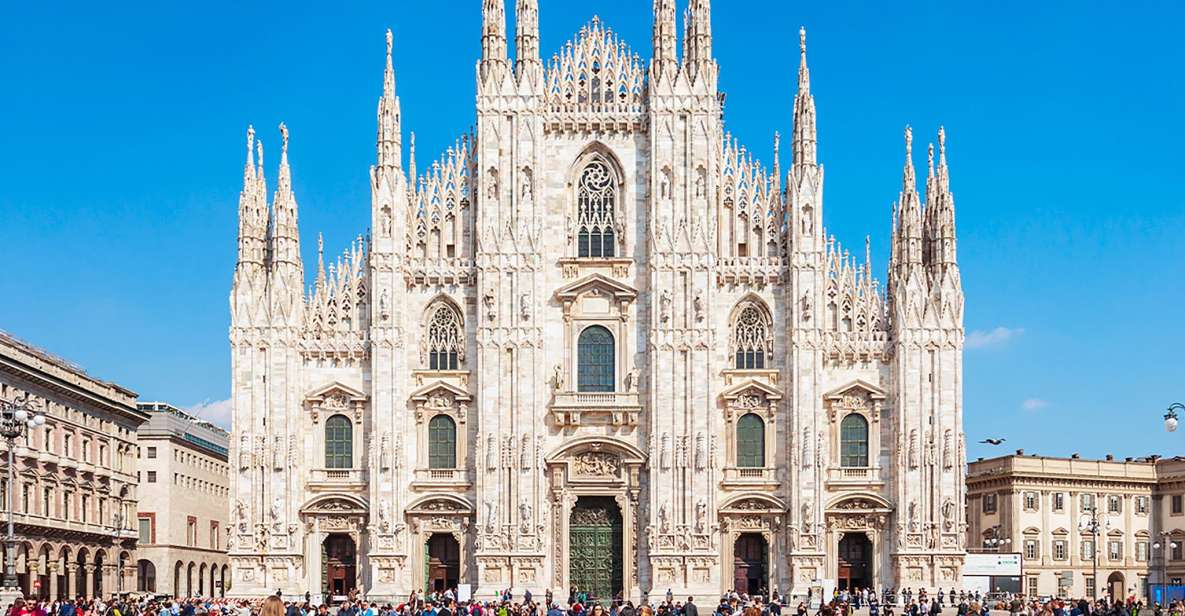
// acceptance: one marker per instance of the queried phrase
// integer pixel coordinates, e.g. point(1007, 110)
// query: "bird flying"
point(993, 441)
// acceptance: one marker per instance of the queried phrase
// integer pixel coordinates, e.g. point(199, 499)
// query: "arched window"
point(444, 340)
point(750, 441)
point(596, 360)
point(339, 442)
point(596, 198)
point(442, 442)
point(750, 338)
point(853, 441)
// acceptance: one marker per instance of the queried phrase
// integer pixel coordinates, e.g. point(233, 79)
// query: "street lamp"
point(1091, 522)
point(17, 417)
point(995, 541)
point(1170, 417)
point(1168, 546)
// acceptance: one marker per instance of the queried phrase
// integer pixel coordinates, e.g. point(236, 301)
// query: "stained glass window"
point(596, 196)
point(339, 442)
point(596, 360)
point(853, 446)
point(444, 338)
point(442, 442)
point(750, 338)
point(750, 441)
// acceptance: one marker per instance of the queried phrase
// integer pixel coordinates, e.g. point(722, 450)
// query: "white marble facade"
point(600, 205)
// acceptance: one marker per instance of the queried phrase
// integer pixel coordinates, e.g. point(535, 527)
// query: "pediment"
point(864, 501)
point(440, 504)
point(438, 392)
point(337, 391)
point(596, 282)
point(857, 394)
point(753, 503)
point(335, 503)
point(751, 387)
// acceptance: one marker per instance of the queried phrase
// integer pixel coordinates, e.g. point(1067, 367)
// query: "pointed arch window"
point(853, 441)
point(751, 339)
point(750, 441)
point(444, 338)
point(442, 442)
point(596, 360)
point(339, 442)
point(596, 200)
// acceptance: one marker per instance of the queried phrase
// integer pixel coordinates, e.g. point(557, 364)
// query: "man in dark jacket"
point(689, 608)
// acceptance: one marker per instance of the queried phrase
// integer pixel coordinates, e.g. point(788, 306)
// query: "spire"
point(411, 158)
point(390, 140)
point(252, 210)
point(664, 60)
point(493, 33)
point(909, 232)
point(942, 234)
point(805, 141)
point(285, 231)
point(526, 31)
point(697, 36)
point(320, 264)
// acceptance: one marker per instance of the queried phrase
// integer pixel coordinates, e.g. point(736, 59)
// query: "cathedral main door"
point(750, 564)
point(595, 548)
point(855, 561)
point(443, 562)
point(338, 554)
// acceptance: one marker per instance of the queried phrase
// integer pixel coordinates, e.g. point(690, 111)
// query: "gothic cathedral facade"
point(597, 345)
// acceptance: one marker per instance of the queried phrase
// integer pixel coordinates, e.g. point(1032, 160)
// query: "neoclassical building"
point(596, 344)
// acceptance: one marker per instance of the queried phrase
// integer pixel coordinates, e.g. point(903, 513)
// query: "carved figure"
point(524, 302)
point(698, 305)
point(701, 515)
point(557, 377)
point(524, 515)
point(664, 306)
point(664, 519)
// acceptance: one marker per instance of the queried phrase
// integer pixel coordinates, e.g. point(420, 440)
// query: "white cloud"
point(1034, 404)
point(981, 339)
point(216, 412)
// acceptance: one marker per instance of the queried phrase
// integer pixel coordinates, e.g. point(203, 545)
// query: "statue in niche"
point(664, 306)
point(805, 306)
point(384, 306)
point(699, 183)
point(491, 516)
point(487, 300)
point(948, 515)
point(807, 511)
point(631, 380)
point(701, 516)
point(524, 302)
point(557, 377)
point(276, 516)
point(524, 515)
point(664, 186)
point(664, 518)
point(526, 196)
point(913, 517)
point(698, 304)
point(241, 517)
point(492, 186)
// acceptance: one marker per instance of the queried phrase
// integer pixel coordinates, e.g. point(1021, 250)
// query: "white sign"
point(992, 564)
point(464, 592)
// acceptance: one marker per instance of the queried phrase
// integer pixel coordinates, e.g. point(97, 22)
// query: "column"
point(71, 581)
point(89, 583)
point(53, 582)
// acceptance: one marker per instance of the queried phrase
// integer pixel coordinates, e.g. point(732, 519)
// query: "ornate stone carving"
point(596, 464)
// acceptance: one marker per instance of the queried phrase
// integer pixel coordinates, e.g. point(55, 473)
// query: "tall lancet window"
point(596, 198)
point(444, 340)
point(750, 338)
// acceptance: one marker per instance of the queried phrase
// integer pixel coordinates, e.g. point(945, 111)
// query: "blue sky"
point(121, 144)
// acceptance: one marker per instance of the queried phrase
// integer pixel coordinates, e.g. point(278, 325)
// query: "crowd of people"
point(841, 603)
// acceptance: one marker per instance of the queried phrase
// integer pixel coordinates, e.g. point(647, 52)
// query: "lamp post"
point(1170, 416)
point(17, 417)
point(995, 540)
point(1164, 546)
point(1092, 523)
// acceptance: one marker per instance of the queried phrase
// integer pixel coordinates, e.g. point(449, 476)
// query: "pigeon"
point(993, 441)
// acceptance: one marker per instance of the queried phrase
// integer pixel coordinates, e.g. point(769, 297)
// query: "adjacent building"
point(1082, 527)
point(184, 485)
point(75, 495)
point(597, 344)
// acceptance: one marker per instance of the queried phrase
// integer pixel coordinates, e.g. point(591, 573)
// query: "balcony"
point(854, 476)
point(750, 477)
point(338, 479)
point(575, 408)
point(441, 479)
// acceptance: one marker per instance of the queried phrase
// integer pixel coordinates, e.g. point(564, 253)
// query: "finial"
point(284, 137)
point(390, 38)
point(320, 244)
point(777, 142)
point(930, 157)
point(942, 142)
point(259, 151)
point(802, 39)
point(250, 138)
point(908, 140)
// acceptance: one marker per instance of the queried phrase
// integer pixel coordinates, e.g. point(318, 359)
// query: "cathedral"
point(596, 344)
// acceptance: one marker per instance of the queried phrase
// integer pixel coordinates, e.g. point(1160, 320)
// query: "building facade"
point(596, 344)
point(75, 493)
point(1042, 508)
point(184, 489)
